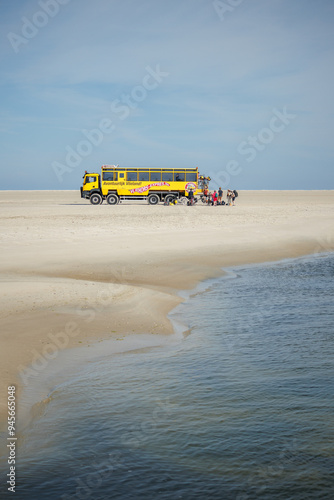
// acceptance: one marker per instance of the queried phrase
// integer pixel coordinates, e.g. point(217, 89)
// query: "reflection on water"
point(241, 409)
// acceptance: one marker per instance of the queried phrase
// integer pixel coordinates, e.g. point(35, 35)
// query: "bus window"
point(167, 176)
point(108, 176)
point(144, 176)
point(132, 176)
point(155, 176)
point(179, 176)
point(191, 177)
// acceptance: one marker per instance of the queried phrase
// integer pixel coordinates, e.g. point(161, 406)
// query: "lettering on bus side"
point(110, 183)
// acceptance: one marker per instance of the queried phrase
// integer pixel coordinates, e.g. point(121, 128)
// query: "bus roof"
point(108, 167)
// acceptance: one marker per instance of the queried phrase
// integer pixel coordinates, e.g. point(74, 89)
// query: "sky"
point(242, 89)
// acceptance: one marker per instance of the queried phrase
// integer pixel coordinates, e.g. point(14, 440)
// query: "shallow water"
point(240, 409)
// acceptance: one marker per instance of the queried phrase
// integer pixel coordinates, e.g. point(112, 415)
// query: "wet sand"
point(73, 273)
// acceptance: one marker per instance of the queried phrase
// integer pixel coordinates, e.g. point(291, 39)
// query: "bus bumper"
point(84, 194)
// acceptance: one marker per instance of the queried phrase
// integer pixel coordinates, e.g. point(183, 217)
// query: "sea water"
point(242, 408)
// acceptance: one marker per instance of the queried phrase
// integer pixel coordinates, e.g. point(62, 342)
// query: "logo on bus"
point(190, 185)
point(142, 189)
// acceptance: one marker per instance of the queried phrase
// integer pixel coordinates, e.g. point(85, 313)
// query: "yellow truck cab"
point(154, 185)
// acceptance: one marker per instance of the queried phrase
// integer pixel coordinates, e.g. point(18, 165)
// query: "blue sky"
point(243, 89)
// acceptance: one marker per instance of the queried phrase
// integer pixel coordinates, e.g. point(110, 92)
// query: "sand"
point(73, 273)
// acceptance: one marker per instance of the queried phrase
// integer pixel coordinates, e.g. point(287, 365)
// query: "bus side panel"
point(144, 188)
point(123, 187)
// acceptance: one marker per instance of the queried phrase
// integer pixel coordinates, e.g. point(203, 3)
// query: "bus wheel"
point(112, 199)
point(95, 199)
point(153, 199)
point(184, 200)
point(169, 198)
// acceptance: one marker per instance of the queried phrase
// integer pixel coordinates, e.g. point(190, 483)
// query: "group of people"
point(216, 198)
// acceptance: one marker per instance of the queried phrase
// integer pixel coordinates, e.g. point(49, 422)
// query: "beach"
point(73, 273)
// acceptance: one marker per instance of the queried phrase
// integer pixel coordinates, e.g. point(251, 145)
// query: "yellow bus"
point(155, 185)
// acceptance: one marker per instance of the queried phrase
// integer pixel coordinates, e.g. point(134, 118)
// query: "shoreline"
point(36, 396)
point(62, 271)
point(71, 361)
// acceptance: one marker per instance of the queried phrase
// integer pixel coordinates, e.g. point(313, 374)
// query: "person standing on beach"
point(191, 197)
point(220, 196)
point(214, 197)
point(206, 194)
point(229, 193)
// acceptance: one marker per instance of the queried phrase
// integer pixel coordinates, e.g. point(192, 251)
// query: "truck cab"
point(91, 186)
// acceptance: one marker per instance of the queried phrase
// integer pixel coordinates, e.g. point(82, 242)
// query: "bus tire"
point(112, 199)
point(169, 198)
point(153, 199)
point(95, 199)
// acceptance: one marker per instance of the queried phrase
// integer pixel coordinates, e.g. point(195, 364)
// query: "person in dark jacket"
point(191, 196)
point(220, 196)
